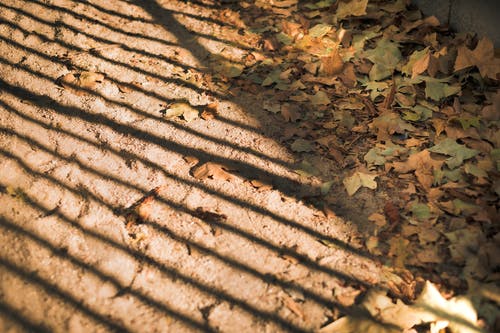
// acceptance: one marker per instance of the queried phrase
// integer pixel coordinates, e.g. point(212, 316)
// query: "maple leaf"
point(358, 180)
point(418, 63)
point(385, 57)
point(483, 57)
point(351, 8)
point(423, 165)
point(438, 90)
point(320, 98)
point(301, 145)
point(458, 152)
point(388, 124)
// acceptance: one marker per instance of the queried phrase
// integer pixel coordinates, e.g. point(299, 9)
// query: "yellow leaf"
point(358, 180)
point(351, 8)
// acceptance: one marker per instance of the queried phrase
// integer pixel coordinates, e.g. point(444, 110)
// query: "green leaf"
point(420, 113)
point(284, 38)
point(421, 211)
point(373, 157)
point(358, 180)
point(474, 170)
point(460, 207)
point(458, 152)
point(306, 169)
point(325, 187)
point(467, 122)
point(385, 57)
point(495, 156)
point(437, 90)
point(320, 4)
point(301, 145)
point(273, 77)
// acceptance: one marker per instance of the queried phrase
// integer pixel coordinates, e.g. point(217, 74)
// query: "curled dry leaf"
point(261, 185)
point(212, 170)
point(210, 111)
point(294, 307)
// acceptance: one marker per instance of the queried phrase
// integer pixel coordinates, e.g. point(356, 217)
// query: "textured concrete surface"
point(479, 16)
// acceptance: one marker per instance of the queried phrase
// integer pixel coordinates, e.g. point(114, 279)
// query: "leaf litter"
point(376, 86)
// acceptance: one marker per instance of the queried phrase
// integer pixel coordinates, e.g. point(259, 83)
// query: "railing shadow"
point(17, 116)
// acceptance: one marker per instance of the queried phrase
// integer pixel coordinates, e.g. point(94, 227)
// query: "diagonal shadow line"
point(136, 110)
point(214, 38)
point(59, 293)
point(169, 271)
point(208, 251)
point(42, 242)
point(179, 82)
point(223, 196)
point(111, 60)
point(112, 12)
point(306, 261)
point(135, 35)
point(246, 169)
point(184, 36)
point(230, 262)
point(22, 320)
point(95, 21)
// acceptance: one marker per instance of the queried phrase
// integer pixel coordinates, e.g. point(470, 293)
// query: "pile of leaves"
point(401, 104)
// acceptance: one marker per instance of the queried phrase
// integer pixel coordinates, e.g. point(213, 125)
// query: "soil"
point(105, 223)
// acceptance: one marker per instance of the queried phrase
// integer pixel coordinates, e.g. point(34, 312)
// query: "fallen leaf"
point(389, 123)
point(351, 8)
point(331, 64)
point(210, 111)
point(320, 98)
point(483, 57)
point(294, 307)
point(423, 165)
point(385, 57)
point(212, 170)
point(458, 312)
point(301, 145)
point(185, 110)
point(319, 30)
point(358, 180)
point(89, 80)
point(458, 152)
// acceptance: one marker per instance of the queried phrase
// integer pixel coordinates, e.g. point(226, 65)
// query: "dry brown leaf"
point(292, 29)
point(261, 185)
point(89, 80)
point(124, 88)
point(191, 160)
point(391, 211)
point(429, 256)
point(378, 219)
point(483, 57)
point(421, 65)
point(210, 111)
point(294, 307)
point(212, 170)
point(331, 64)
point(290, 112)
point(423, 165)
point(348, 75)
